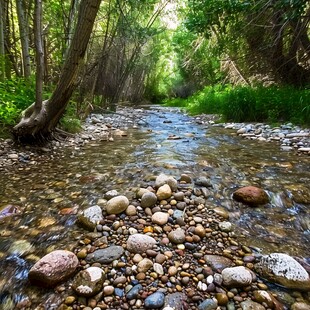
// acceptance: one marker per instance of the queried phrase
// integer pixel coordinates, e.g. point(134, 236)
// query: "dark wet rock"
point(53, 268)
point(208, 304)
point(134, 292)
point(177, 301)
point(284, 270)
point(90, 218)
point(218, 262)
point(251, 195)
point(139, 243)
point(236, 276)
point(105, 256)
point(148, 200)
point(155, 300)
point(88, 282)
point(117, 205)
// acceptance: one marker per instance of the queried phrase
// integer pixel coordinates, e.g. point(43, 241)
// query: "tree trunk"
point(37, 125)
point(2, 49)
point(39, 54)
point(24, 37)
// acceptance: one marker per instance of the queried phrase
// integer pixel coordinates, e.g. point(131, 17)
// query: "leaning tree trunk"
point(37, 124)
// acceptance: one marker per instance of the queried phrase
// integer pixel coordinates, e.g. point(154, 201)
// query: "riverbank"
point(195, 219)
point(108, 126)
point(167, 248)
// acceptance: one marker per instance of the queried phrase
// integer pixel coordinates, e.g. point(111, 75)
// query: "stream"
point(49, 194)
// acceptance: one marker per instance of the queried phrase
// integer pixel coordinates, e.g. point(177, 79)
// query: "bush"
point(251, 104)
point(15, 96)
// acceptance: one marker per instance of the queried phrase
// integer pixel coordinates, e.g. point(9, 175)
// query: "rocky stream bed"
point(155, 240)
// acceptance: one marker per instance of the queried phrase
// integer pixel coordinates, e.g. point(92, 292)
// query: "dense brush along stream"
point(48, 193)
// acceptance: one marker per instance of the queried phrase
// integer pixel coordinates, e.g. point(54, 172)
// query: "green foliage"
point(15, 96)
point(70, 124)
point(70, 121)
point(248, 104)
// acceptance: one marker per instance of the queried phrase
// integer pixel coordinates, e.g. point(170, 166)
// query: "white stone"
point(160, 218)
point(202, 286)
point(158, 268)
point(210, 279)
point(95, 273)
point(236, 276)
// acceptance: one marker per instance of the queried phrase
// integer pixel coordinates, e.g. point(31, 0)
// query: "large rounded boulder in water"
point(251, 195)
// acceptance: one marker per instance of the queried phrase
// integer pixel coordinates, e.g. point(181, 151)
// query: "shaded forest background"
point(247, 60)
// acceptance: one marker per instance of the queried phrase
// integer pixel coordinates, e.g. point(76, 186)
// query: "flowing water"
point(48, 194)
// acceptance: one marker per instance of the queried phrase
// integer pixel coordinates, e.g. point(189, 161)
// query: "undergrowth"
point(248, 104)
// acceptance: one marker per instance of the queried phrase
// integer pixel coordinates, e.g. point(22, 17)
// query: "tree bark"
point(35, 124)
point(39, 54)
point(24, 37)
point(2, 48)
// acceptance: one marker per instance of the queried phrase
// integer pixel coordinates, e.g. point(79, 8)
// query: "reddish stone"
point(251, 195)
point(53, 268)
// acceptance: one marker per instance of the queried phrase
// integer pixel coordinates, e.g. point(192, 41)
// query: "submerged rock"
point(251, 195)
point(53, 268)
point(283, 270)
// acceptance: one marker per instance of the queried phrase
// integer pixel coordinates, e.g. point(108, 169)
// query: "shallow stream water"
point(50, 192)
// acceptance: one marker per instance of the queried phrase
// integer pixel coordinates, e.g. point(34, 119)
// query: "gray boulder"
point(284, 270)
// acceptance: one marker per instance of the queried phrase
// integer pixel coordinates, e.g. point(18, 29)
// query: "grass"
point(250, 104)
